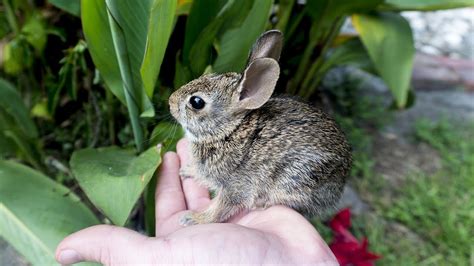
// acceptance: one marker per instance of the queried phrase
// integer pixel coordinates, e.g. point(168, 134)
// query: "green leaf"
point(326, 11)
point(36, 213)
point(236, 43)
point(182, 74)
point(11, 102)
point(133, 27)
point(425, 5)
point(17, 128)
point(160, 27)
point(129, 86)
point(389, 41)
point(285, 8)
point(184, 7)
point(16, 56)
point(7, 147)
point(95, 24)
point(200, 54)
point(71, 6)
point(351, 52)
point(113, 178)
point(40, 109)
point(202, 13)
point(327, 19)
point(118, 47)
point(167, 134)
point(229, 17)
point(35, 32)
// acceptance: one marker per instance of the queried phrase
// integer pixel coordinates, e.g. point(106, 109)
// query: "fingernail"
point(69, 256)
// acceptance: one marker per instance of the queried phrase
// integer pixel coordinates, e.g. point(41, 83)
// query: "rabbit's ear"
point(268, 45)
point(257, 84)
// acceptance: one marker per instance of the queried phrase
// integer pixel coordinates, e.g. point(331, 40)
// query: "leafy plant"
point(36, 213)
point(18, 133)
point(114, 178)
point(131, 62)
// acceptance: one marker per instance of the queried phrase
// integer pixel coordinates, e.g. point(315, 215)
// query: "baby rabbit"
point(256, 151)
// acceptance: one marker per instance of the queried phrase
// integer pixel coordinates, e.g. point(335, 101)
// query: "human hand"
point(277, 235)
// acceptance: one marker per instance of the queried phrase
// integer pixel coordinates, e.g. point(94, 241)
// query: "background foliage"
point(79, 75)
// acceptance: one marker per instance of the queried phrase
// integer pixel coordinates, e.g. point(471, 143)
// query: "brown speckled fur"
point(285, 152)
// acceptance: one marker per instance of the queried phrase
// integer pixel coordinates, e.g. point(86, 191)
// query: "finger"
point(106, 244)
point(169, 193)
point(197, 197)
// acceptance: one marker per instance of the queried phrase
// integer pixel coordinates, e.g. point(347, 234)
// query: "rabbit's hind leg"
point(223, 206)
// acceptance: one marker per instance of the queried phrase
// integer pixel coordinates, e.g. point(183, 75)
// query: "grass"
point(430, 218)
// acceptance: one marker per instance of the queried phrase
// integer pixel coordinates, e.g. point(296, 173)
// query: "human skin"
point(277, 235)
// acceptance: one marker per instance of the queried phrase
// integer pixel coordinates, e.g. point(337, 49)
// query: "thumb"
point(105, 244)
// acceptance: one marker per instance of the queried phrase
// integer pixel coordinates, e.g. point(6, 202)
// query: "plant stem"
point(126, 74)
point(294, 25)
point(284, 13)
point(308, 52)
point(314, 75)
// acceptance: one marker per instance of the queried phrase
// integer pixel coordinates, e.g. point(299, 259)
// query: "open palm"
point(277, 235)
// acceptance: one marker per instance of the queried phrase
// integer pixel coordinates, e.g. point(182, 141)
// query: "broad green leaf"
point(202, 14)
point(236, 43)
point(182, 74)
point(133, 27)
point(425, 5)
point(113, 178)
point(120, 63)
point(71, 6)
point(328, 10)
point(200, 52)
point(132, 93)
point(350, 52)
point(231, 16)
point(159, 31)
point(36, 213)
point(95, 24)
point(389, 42)
point(12, 104)
point(183, 7)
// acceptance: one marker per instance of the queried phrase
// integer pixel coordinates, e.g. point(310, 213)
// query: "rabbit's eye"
point(197, 102)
